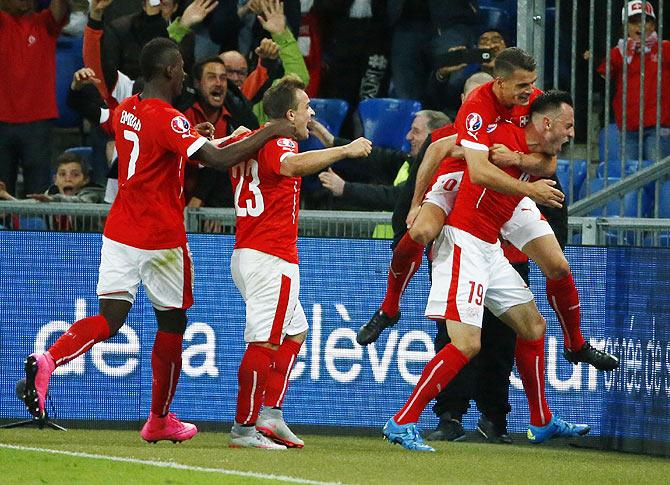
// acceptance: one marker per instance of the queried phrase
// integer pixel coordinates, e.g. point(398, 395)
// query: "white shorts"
point(270, 288)
point(470, 274)
point(526, 224)
point(167, 274)
point(443, 192)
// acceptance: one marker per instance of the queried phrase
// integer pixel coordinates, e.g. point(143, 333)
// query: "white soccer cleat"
point(249, 437)
point(271, 423)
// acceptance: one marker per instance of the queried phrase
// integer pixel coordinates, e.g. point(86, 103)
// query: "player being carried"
point(506, 98)
point(264, 265)
point(471, 272)
point(144, 237)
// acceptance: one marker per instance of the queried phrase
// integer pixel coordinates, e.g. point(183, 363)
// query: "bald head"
point(237, 68)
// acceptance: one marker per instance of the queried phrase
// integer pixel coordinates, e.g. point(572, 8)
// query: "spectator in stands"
point(632, 47)
point(355, 51)
point(422, 31)
point(446, 83)
point(380, 196)
point(71, 183)
point(251, 32)
point(281, 51)
point(27, 70)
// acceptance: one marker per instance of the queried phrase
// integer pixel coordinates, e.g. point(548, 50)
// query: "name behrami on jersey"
point(267, 202)
point(153, 141)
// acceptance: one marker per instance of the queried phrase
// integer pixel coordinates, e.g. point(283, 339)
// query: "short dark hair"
point(156, 55)
point(550, 101)
point(510, 59)
point(281, 96)
point(71, 157)
point(200, 66)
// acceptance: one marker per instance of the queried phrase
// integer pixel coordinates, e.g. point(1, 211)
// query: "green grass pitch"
point(30, 456)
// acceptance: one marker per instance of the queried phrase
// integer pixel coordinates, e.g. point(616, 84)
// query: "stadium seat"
point(84, 152)
point(578, 176)
point(68, 60)
point(32, 223)
point(613, 207)
point(611, 133)
point(614, 167)
point(330, 113)
point(386, 121)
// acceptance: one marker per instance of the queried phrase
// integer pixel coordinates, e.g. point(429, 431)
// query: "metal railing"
point(610, 231)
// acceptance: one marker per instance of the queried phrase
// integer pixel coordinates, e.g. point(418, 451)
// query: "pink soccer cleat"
point(167, 428)
point(39, 368)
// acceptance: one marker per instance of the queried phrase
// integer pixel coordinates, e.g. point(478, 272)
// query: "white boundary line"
point(168, 464)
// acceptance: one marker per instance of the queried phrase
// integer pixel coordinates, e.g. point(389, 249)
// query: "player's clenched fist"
point(360, 147)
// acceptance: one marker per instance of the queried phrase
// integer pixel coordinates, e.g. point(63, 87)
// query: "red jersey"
point(28, 66)
point(442, 132)
point(633, 93)
point(481, 113)
point(267, 202)
point(480, 211)
point(153, 141)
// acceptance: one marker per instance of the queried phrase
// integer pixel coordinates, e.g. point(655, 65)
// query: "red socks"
point(275, 388)
point(405, 262)
point(564, 299)
point(530, 363)
point(79, 338)
point(252, 377)
point(435, 376)
point(165, 366)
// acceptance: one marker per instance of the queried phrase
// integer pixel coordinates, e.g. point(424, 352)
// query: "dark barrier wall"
point(48, 280)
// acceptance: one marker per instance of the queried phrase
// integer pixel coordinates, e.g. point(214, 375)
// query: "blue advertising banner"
point(48, 280)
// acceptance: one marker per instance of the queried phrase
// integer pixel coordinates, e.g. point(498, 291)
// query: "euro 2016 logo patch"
point(180, 125)
point(473, 122)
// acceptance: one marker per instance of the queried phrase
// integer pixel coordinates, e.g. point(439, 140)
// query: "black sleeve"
point(557, 218)
point(87, 102)
point(384, 163)
point(370, 196)
point(111, 52)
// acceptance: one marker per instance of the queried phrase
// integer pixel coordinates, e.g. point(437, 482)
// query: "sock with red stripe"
point(165, 367)
point(435, 376)
point(529, 356)
point(251, 378)
point(79, 338)
point(564, 299)
point(405, 262)
point(277, 383)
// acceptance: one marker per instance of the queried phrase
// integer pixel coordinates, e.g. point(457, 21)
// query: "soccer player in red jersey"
point(264, 265)
point(144, 237)
point(470, 272)
point(506, 98)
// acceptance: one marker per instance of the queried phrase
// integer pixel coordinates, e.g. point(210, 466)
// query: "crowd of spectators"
point(233, 51)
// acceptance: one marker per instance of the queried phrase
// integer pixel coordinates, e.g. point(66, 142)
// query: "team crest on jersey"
point(180, 124)
point(473, 122)
point(286, 143)
point(523, 120)
point(491, 127)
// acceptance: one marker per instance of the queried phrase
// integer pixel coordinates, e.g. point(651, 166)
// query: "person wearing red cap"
point(631, 51)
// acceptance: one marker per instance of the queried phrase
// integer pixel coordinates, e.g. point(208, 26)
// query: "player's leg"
point(454, 297)
point(452, 402)
point(408, 253)
point(167, 275)
point(528, 231)
point(267, 294)
point(117, 285)
point(512, 302)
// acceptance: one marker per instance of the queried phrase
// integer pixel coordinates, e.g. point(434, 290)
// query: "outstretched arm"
point(436, 151)
point(308, 163)
point(538, 164)
point(230, 155)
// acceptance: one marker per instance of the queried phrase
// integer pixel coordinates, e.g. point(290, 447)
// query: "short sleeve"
point(472, 125)
point(277, 150)
point(177, 135)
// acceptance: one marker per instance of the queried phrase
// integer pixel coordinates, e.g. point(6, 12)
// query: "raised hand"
point(197, 11)
point(360, 147)
point(98, 8)
point(205, 129)
point(83, 76)
point(272, 18)
point(267, 49)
